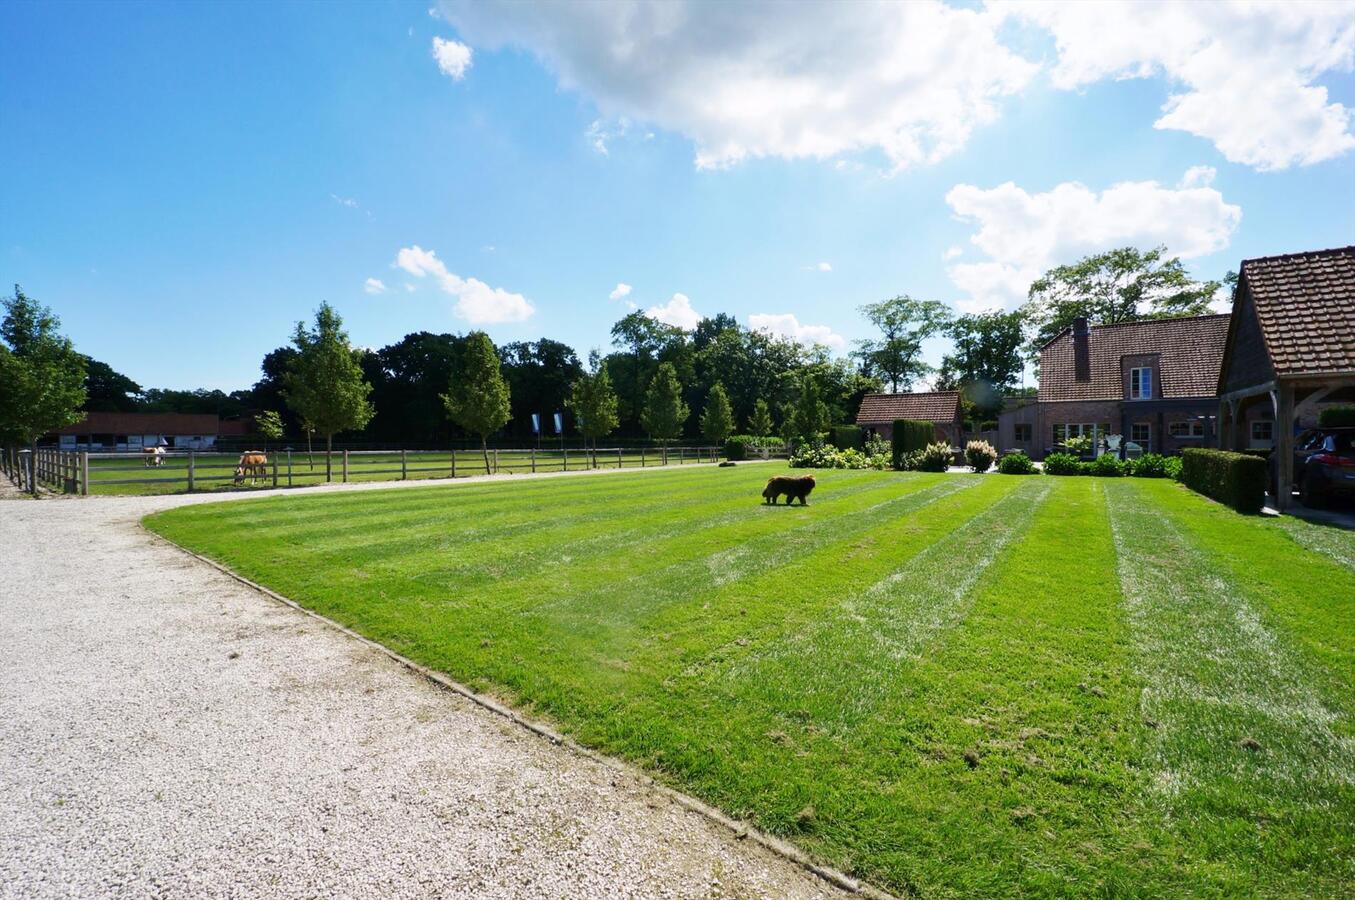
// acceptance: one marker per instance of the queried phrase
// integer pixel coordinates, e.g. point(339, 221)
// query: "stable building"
point(942, 408)
point(1289, 352)
point(123, 432)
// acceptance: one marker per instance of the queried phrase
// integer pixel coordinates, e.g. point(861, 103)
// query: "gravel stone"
point(167, 731)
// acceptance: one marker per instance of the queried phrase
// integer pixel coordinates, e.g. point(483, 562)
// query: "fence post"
point(642, 457)
point(453, 462)
point(404, 466)
point(289, 468)
point(345, 467)
point(566, 455)
point(496, 460)
point(192, 467)
point(533, 460)
point(275, 470)
point(618, 458)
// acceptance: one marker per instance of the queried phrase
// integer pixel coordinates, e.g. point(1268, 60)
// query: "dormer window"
point(1141, 384)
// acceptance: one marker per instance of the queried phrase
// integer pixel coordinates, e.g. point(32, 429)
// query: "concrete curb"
point(740, 830)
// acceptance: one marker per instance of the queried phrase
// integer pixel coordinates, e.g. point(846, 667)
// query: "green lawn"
point(215, 471)
point(945, 684)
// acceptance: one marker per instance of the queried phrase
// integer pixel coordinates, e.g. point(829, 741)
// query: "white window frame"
point(1016, 432)
point(1142, 441)
point(1194, 429)
point(1262, 443)
point(1141, 377)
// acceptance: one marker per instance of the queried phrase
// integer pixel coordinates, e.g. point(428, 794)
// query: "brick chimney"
point(1082, 357)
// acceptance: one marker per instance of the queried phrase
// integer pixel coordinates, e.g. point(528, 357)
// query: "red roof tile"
point(143, 423)
point(936, 406)
point(1190, 353)
point(1305, 303)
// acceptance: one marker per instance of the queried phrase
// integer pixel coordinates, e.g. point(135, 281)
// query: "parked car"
point(1324, 465)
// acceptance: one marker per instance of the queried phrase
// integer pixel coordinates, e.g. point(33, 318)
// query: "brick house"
point(1289, 352)
point(1136, 387)
point(941, 408)
point(132, 431)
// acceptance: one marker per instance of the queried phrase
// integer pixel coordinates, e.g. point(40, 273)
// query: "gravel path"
point(166, 731)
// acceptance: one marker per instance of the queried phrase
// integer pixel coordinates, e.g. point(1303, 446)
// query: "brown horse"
point(253, 463)
point(155, 456)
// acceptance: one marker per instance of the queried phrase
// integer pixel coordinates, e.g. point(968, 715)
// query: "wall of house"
point(1248, 362)
point(1008, 419)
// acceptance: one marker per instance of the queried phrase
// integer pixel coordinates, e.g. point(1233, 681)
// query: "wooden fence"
point(84, 473)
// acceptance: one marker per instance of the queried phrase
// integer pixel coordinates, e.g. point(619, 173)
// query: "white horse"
point(155, 456)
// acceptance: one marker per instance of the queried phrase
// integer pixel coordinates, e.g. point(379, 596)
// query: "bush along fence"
point(129, 473)
point(1235, 479)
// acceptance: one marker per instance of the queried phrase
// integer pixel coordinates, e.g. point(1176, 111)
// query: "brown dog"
point(789, 485)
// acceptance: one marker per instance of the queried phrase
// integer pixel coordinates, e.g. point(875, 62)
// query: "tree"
point(760, 422)
point(664, 412)
point(649, 342)
point(107, 390)
point(479, 401)
point(594, 403)
point(269, 424)
point(42, 378)
point(1121, 285)
point(324, 383)
point(986, 360)
point(811, 413)
point(904, 323)
point(539, 375)
point(717, 419)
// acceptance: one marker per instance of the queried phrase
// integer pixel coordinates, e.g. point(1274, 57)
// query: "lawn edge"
point(739, 829)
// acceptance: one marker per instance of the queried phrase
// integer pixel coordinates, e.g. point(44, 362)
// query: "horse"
point(155, 456)
point(253, 463)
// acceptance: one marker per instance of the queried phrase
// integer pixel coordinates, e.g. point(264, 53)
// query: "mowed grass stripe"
point(844, 661)
point(1336, 542)
point(1247, 764)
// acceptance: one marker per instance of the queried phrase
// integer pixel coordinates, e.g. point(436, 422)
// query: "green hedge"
point(1016, 463)
point(1235, 479)
point(1337, 417)
point(848, 437)
point(1063, 464)
point(910, 435)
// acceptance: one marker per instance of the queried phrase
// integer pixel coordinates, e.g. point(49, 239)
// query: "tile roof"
point(1305, 303)
point(143, 423)
point(1190, 354)
point(936, 406)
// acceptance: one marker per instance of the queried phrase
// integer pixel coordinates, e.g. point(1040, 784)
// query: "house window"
point(1023, 432)
point(1262, 433)
point(1193, 428)
point(1141, 433)
point(1140, 384)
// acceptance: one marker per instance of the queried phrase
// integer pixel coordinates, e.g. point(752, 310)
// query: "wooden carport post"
point(1283, 444)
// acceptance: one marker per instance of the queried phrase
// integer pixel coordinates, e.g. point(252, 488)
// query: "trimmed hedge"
point(848, 437)
point(1337, 417)
point(910, 435)
point(1016, 463)
point(1234, 479)
point(1063, 464)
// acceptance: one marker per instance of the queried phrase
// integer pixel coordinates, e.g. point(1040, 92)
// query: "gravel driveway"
point(166, 731)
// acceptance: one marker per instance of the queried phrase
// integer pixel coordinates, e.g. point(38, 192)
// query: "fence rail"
point(129, 472)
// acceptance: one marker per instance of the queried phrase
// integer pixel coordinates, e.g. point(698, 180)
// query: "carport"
point(1291, 338)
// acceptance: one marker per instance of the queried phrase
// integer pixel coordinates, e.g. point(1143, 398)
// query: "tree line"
point(434, 388)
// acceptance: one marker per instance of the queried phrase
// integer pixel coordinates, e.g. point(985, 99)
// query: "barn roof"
point(1305, 303)
point(1189, 350)
point(934, 406)
point(143, 423)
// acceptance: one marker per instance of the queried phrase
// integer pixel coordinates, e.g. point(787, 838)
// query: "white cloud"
point(1026, 234)
point(620, 292)
point(1243, 73)
point(374, 286)
point(344, 201)
point(410, 288)
point(476, 302)
point(821, 267)
point(952, 252)
point(802, 80)
point(453, 57)
point(1198, 176)
point(786, 325)
point(677, 311)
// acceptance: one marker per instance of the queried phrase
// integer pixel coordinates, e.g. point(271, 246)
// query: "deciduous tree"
point(717, 419)
point(479, 401)
point(42, 378)
point(594, 403)
point(760, 422)
point(324, 383)
point(664, 412)
point(986, 360)
point(903, 323)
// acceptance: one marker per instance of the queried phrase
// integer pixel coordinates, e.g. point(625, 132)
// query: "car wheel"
point(1311, 495)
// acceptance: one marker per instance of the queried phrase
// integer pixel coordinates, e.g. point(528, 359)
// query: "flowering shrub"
point(935, 458)
point(980, 455)
point(1078, 443)
point(833, 458)
point(1016, 463)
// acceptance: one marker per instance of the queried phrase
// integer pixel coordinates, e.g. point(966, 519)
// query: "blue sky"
point(182, 183)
